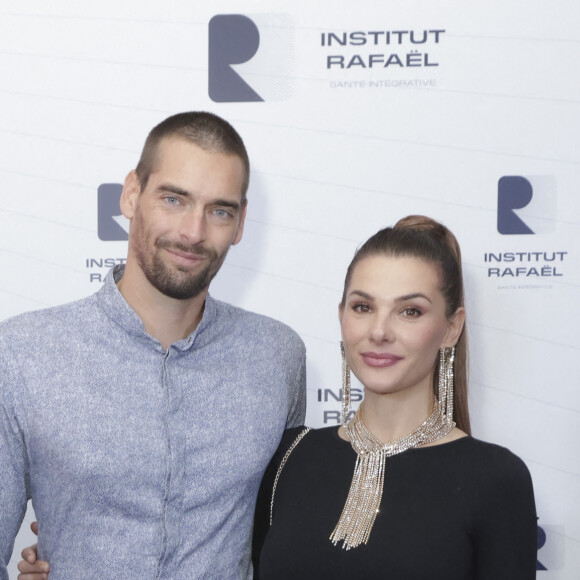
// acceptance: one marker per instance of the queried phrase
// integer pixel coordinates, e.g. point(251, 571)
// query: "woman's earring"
point(345, 386)
point(445, 395)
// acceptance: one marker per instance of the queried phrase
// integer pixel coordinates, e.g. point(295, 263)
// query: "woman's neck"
point(393, 415)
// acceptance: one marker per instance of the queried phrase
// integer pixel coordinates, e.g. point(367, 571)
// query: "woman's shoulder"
point(486, 451)
point(497, 465)
point(307, 435)
point(306, 444)
point(303, 442)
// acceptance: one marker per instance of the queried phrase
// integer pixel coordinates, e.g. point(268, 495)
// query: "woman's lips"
point(376, 359)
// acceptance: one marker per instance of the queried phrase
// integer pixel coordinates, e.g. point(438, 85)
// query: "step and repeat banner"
point(354, 116)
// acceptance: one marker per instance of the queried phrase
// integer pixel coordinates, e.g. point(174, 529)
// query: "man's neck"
point(165, 319)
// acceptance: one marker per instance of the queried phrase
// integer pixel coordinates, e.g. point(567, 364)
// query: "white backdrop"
point(336, 154)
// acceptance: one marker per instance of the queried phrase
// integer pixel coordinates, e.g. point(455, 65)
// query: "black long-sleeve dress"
point(461, 510)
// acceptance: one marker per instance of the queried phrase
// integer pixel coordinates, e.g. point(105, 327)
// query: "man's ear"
point(456, 323)
point(130, 194)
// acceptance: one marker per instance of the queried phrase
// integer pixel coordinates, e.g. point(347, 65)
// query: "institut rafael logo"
point(526, 206)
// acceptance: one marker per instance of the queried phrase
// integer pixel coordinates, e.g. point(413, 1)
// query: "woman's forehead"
point(394, 275)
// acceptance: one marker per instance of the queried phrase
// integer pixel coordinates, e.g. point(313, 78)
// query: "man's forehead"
point(172, 162)
point(168, 147)
point(174, 141)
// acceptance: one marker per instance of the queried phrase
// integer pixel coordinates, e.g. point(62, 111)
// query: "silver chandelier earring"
point(445, 394)
point(345, 386)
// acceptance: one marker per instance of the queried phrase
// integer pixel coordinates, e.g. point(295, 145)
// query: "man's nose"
point(192, 227)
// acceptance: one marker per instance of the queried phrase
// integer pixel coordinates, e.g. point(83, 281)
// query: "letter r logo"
point(526, 205)
point(250, 59)
point(233, 39)
point(112, 225)
point(513, 192)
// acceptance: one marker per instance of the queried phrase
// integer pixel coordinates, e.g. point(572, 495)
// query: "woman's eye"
point(362, 308)
point(411, 312)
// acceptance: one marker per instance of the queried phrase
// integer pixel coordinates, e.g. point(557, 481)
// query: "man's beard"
point(177, 282)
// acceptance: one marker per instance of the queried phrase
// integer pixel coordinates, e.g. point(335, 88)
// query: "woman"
point(420, 498)
point(401, 491)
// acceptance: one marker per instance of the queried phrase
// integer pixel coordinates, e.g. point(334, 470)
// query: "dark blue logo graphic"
point(233, 39)
point(112, 225)
point(541, 542)
point(250, 59)
point(513, 192)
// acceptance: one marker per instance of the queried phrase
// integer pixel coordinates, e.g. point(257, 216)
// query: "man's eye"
point(222, 213)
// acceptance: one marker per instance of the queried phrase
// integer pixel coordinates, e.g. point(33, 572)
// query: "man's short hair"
point(206, 130)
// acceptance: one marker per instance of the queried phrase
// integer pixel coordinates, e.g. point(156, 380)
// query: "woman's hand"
point(29, 567)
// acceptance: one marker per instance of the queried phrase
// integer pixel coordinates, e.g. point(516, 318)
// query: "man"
point(140, 420)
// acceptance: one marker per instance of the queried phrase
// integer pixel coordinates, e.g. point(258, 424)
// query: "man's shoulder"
point(36, 322)
point(252, 323)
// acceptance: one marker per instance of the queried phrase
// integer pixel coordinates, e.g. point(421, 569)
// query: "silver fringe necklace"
point(366, 490)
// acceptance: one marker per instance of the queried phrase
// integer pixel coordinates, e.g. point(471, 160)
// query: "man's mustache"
point(195, 250)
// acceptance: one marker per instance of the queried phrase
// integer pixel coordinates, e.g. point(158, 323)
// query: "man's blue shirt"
point(140, 462)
